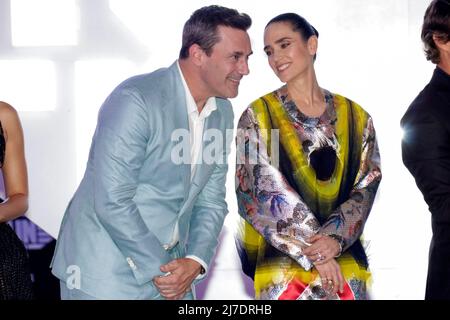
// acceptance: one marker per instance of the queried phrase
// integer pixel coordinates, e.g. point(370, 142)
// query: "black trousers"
point(438, 280)
point(15, 277)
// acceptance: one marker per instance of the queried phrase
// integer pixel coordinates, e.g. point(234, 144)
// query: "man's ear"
point(440, 43)
point(196, 54)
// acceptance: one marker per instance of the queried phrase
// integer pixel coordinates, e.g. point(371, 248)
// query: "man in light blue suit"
point(145, 220)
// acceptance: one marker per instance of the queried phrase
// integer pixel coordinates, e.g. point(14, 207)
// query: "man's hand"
point(180, 274)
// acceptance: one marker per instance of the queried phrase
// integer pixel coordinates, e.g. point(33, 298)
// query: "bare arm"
point(14, 166)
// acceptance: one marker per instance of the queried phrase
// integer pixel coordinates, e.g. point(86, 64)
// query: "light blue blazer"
point(133, 195)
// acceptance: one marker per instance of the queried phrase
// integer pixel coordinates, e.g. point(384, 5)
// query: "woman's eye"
point(285, 45)
point(268, 53)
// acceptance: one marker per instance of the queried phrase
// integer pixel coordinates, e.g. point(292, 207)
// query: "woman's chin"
point(283, 78)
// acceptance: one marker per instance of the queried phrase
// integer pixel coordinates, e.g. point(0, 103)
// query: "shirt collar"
point(210, 104)
point(441, 78)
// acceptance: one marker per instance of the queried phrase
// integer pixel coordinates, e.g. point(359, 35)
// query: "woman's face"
point(288, 53)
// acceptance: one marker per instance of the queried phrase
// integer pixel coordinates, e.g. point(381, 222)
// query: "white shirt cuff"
point(203, 264)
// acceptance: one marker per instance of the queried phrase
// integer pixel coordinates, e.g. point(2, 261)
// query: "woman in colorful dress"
point(308, 170)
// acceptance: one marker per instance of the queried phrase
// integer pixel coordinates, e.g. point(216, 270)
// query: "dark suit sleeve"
point(426, 154)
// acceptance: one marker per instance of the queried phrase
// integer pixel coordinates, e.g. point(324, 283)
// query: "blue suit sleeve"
point(118, 152)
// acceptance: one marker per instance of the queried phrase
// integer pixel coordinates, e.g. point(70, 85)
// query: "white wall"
point(59, 59)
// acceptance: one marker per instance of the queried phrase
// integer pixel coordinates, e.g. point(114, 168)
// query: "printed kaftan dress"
point(297, 176)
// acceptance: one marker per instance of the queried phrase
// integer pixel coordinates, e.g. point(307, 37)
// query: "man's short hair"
point(436, 22)
point(201, 28)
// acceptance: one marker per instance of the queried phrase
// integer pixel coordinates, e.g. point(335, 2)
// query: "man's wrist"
point(203, 267)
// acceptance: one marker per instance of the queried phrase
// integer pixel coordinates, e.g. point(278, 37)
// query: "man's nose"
point(243, 67)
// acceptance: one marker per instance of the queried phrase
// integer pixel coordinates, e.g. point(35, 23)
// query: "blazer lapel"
point(178, 112)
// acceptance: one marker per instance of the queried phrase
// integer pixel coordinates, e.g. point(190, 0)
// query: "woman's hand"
point(331, 276)
point(323, 249)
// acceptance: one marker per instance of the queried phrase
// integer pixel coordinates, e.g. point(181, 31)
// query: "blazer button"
point(131, 263)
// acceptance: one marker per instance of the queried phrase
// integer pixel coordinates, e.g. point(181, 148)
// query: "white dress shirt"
point(196, 125)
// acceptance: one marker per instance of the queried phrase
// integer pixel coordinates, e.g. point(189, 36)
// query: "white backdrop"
point(60, 58)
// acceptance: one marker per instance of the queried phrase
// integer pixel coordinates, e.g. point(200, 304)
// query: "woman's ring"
point(320, 257)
